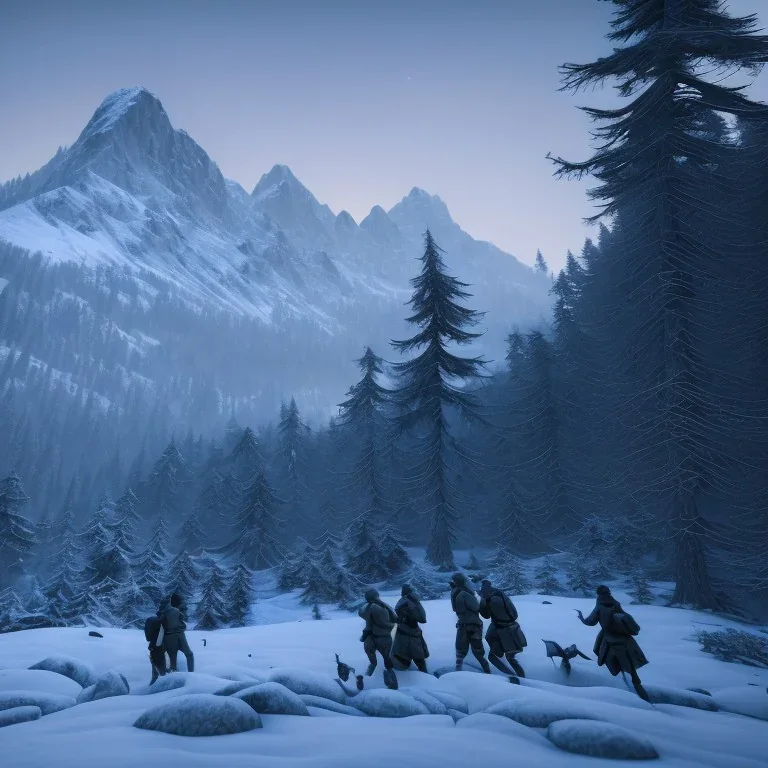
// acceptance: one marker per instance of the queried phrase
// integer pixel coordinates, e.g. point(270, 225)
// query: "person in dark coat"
point(175, 638)
point(152, 628)
point(380, 620)
point(409, 642)
point(469, 625)
point(504, 636)
point(615, 645)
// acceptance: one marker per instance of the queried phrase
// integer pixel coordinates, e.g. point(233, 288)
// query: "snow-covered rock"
point(332, 706)
point(272, 699)
point(432, 703)
point(451, 700)
point(587, 737)
point(457, 715)
point(200, 714)
point(661, 694)
point(484, 721)
point(305, 681)
point(235, 687)
point(539, 714)
point(163, 684)
point(381, 702)
point(113, 683)
point(749, 700)
point(48, 702)
point(19, 715)
point(74, 669)
point(38, 680)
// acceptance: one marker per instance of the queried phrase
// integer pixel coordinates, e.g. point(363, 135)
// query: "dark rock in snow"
point(303, 681)
point(200, 714)
point(19, 715)
point(702, 691)
point(660, 694)
point(47, 702)
point(273, 699)
point(536, 714)
point(235, 687)
point(74, 669)
point(167, 683)
point(546, 602)
point(587, 737)
point(379, 702)
point(93, 633)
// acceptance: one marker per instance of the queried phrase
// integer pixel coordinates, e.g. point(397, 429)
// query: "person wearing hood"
point(504, 636)
point(615, 645)
point(175, 639)
point(380, 620)
point(409, 645)
point(469, 625)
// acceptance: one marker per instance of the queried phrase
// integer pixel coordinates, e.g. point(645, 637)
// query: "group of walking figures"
point(615, 646)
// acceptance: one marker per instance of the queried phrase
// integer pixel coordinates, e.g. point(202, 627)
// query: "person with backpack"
point(469, 625)
point(380, 620)
point(504, 636)
point(175, 640)
point(409, 645)
point(153, 632)
point(615, 645)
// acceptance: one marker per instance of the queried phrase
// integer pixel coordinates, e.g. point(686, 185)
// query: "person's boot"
point(459, 664)
point(499, 664)
point(641, 692)
point(484, 664)
point(421, 666)
point(515, 664)
point(371, 669)
point(390, 679)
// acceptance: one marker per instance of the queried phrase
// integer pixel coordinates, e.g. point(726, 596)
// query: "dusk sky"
point(363, 100)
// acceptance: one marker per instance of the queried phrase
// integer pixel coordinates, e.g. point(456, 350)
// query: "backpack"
point(627, 623)
point(152, 627)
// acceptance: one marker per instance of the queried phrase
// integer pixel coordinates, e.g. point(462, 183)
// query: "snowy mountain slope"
point(684, 737)
point(138, 197)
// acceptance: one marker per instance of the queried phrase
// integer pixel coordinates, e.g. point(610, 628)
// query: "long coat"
point(409, 639)
point(615, 647)
point(504, 631)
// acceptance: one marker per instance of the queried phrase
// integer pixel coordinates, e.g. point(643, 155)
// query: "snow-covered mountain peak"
point(419, 211)
point(120, 103)
point(381, 227)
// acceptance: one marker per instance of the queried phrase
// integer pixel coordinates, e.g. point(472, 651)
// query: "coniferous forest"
point(630, 432)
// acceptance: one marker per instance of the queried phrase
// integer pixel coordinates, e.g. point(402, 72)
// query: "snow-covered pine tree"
point(396, 557)
point(11, 609)
point(182, 575)
point(541, 265)
point(507, 572)
point(316, 612)
point(192, 535)
point(329, 582)
point(17, 534)
point(365, 560)
point(581, 577)
point(164, 492)
point(211, 608)
point(233, 433)
point(593, 546)
point(546, 580)
point(428, 388)
point(246, 459)
point(293, 572)
point(426, 582)
point(239, 596)
point(66, 580)
point(152, 565)
point(640, 589)
point(292, 444)
point(255, 526)
point(130, 604)
point(127, 523)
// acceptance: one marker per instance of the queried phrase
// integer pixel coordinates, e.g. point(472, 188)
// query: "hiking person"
point(380, 619)
point(615, 645)
point(175, 640)
point(409, 645)
point(469, 625)
point(153, 632)
point(504, 636)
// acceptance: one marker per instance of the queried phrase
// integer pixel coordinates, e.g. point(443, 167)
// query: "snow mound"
point(660, 694)
point(539, 714)
point(48, 702)
point(74, 669)
point(381, 702)
point(748, 700)
point(200, 714)
point(480, 691)
point(235, 687)
point(273, 699)
point(449, 699)
point(113, 683)
point(484, 721)
point(457, 715)
point(38, 680)
point(163, 684)
point(432, 703)
point(318, 702)
point(19, 715)
point(587, 737)
point(303, 681)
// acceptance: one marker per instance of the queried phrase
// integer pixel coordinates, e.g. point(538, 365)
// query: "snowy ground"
point(101, 732)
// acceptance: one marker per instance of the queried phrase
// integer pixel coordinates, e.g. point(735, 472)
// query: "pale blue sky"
point(362, 99)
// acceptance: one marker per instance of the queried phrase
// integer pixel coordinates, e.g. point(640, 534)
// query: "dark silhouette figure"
point(175, 638)
point(555, 651)
point(343, 670)
point(504, 636)
point(469, 625)
point(615, 646)
point(152, 627)
point(380, 620)
point(410, 645)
